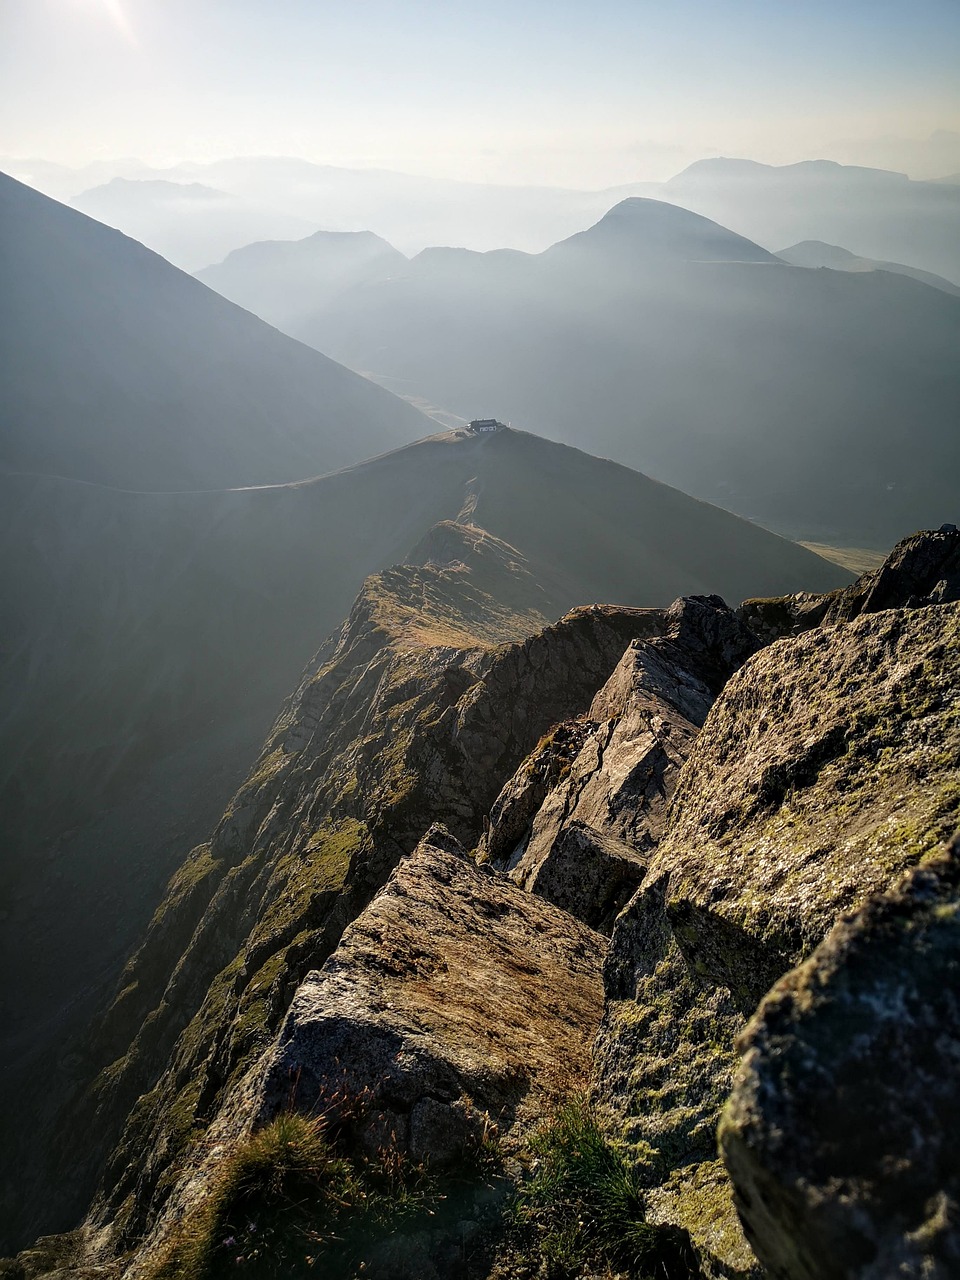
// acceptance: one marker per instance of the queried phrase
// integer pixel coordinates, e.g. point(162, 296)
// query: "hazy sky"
point(553, 91)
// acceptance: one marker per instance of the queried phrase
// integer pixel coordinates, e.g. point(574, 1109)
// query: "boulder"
point(455, 1005)
point(841, 1132)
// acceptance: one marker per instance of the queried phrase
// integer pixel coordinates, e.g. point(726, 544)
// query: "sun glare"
point(116, 13)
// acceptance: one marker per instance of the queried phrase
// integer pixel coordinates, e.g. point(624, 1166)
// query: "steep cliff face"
point(413, 714)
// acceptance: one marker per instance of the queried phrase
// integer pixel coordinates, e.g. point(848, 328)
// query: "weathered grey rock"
point(414, 713)
point(827, 767)
point(588, 874)
point(455, 1004)
point(614, 771)
point(508, 828)
point(841, 1132)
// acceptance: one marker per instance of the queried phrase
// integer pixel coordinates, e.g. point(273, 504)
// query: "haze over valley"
point(666, 341)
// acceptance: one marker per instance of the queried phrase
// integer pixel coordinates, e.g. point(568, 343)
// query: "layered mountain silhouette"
point(119, 369)
point(151, 638)
point(814, 253)
point(872, 212)
point(282, 281)
point(676, 346)
point(410, 210)
point(189, 223)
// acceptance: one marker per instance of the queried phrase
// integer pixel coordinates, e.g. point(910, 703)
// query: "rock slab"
point(455, 1005)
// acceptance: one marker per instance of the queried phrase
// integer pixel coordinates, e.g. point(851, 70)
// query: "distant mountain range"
point(814, 253)
point(672, 344)
point(927, 158)
point(119, 369)
point(281, 280)
point(874, 213)
point(188, 223)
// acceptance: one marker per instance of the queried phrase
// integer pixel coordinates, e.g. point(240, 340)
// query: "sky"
point(562, 92)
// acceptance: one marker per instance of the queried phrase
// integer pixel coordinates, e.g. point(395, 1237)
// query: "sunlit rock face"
point(455, 1005)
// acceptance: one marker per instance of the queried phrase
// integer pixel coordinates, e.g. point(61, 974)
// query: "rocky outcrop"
point(923, 569)
point(413, 714)
point(827, 767)
point(840, 1135)
point(148, 643)
point(711, 807)
point(455, 1005)
point(614, 771)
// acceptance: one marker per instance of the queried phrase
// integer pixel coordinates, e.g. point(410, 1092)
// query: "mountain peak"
point(656, 231)
point(722, 168)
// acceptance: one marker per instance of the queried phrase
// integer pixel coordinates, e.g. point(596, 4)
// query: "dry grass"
point(857, 559)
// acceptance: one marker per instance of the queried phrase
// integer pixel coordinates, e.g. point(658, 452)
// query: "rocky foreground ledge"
point(459, 1005)
point(712, 879)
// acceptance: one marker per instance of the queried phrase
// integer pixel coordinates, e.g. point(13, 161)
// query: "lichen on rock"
point(840, 1135)
point(826, 768)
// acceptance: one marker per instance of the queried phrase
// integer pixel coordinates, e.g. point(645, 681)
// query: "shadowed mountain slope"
point(670, 344)
point(121, 602)
point(120, 369)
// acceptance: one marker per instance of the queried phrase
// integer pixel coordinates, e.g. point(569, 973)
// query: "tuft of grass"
point(584, 1205)
point(285, 1204)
